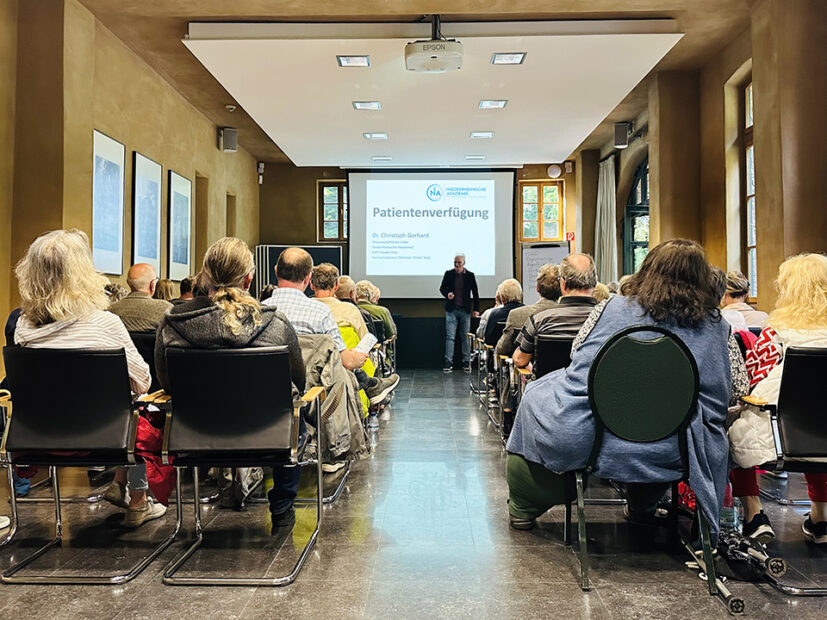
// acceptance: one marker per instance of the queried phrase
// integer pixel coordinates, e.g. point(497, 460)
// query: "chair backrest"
point(68, 400)
point(643, 390)
point(755, 330)
point(551, 353)
point(145, 343)
point(499, 328)
point(379, 328)
point(230, 399)
point(801, 412)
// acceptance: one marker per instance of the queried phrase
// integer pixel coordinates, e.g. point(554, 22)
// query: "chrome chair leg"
point(327, 499)
point(178, 562)
point(13, 503)
point(9, 577)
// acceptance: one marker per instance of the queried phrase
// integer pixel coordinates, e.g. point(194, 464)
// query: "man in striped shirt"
point(577, 281)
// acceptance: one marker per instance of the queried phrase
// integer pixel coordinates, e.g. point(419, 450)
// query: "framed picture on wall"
point(179, 256)
point(107, 204)
point(146, 211)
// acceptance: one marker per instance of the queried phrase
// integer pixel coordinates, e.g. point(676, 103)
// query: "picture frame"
point(107, 204)
point(179, 232)
point(146, 211)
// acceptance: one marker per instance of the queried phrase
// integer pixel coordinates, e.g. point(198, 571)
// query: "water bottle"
point(729, 511)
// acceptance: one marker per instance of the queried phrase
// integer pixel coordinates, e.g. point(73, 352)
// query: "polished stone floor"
point(420, 532)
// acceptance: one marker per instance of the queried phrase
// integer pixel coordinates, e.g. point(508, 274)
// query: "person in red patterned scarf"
point(799, 320)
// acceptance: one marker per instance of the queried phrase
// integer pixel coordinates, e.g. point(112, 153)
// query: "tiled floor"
point(420, 532)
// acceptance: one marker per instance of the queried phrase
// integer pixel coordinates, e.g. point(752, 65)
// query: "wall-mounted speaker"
point(622, 133)
point(228, 139)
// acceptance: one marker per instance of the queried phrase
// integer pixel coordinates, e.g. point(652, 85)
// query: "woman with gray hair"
point(735, 299)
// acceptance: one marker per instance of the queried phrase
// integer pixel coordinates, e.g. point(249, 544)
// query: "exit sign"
point(569, 236)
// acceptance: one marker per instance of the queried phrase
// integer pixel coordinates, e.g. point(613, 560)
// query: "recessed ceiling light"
point(353, 61)
point(380, 158)
point(474, 157)
point(377, 135)
point(492, 104)
point(367, 105)
point(508, 58)
point(482, 134)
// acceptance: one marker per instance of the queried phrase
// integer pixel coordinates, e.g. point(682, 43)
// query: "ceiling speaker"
point(554, 171)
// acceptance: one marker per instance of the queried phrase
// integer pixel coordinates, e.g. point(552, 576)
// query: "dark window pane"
point(551, 230)
point(331, 230)
point(641, 228)
point(331, 194)
point(550, 194)
point(530, 230)
point(639, 253)
point(529, 212)
point(551, 212)
point(331, 213)
point(529, 193)
point(751, 221)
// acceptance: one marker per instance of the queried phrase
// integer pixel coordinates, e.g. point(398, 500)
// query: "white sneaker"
point(330, 468)
point(4, 523)
point(138, 516)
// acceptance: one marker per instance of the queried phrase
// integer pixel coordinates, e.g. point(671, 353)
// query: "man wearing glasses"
point(138, 310)
point(458, 288)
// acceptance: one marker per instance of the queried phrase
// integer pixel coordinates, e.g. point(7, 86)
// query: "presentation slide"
point(406, 228)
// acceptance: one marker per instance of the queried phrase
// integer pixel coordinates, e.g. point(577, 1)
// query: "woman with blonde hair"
point(164, 289)
point(798, 320)
point(64, 304)
point(229, 317)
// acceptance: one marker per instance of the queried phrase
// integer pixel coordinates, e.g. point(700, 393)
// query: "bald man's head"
point(347, 288)
point(294, 265)
point(578, 274)
point(141, 278)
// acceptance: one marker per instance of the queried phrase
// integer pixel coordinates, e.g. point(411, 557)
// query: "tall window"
point(332, 205)
point(541, 211)
point(749, 195)
point(636, 225)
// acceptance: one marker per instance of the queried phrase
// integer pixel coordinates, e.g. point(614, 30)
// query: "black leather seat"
point(145, 343)
point(235, 408)
point(551, 353)
point(72, 408)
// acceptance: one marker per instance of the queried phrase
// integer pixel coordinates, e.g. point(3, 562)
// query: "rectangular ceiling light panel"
point(376, 135)
point(353, 61)
point(508, 58)
point(367, 105)
point(493, 104)
point(482, 134)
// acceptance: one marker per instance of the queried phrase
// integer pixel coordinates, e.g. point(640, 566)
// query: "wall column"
point(588, 165)
point(674, 157)
point(789, 79)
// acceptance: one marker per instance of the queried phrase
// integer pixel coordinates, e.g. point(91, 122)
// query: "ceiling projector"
point(436, 55)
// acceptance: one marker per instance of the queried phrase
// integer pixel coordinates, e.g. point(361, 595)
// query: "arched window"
point(636, 228)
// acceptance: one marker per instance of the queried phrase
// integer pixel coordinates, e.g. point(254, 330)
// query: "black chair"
point(552, 352)
point(235, 408)
point(145, 343)
point(71, 408)
point(739, 340)
point(644, 391)
point(798, 427)
point(755, 330)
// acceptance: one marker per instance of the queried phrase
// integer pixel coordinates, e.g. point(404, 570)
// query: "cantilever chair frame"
point(784, 463)
point(9, 576)
point(314, 397)
point(705, 562)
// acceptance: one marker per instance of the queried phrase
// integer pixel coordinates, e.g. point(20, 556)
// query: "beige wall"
point(75, 76)
point(8, 71)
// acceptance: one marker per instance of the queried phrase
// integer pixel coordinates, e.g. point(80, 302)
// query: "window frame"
point(561, 210)
point(747, 145)
point(635, 209)
point(341, 184)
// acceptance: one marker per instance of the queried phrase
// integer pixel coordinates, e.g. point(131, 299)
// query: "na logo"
point(434, 192)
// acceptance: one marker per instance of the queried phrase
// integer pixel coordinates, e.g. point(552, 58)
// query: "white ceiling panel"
point(287, 78)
